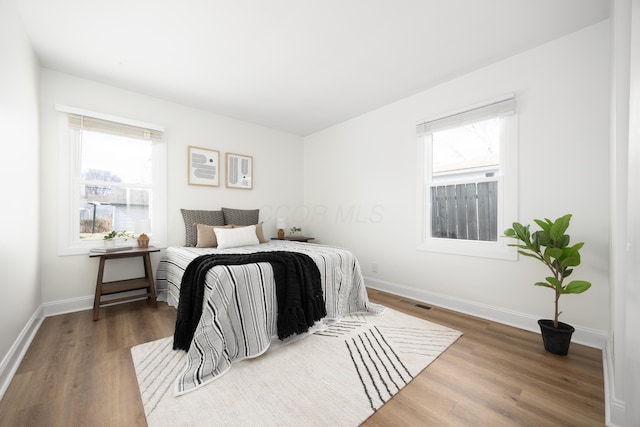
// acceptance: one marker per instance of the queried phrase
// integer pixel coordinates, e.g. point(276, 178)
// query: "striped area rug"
point(338, 376)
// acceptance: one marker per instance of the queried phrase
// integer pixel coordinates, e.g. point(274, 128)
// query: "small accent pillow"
point(235, 237)
point(207, 236)
point(241, 216)
point(259, 232)
point(193, 217)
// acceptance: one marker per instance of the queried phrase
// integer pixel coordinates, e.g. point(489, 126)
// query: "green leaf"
point(550, 253)
point(559, 227)
point(570, 257)
point(522, 232)
point(555, 282)
point(545, 284)
point(577, 287)
point(543, 238)
point(571, 261)
point(535, 242)
point(563, 241)
point(545, 225)
point(529, 254)
point(577, 246)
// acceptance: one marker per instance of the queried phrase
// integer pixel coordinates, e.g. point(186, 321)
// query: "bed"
point(239, 312)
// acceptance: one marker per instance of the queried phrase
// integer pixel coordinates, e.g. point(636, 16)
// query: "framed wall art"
point(204, 166)
point(239, 171)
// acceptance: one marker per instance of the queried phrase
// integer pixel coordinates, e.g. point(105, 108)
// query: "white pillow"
point(234, 237)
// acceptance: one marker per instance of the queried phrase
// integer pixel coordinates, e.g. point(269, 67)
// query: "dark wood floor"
point(78, 372)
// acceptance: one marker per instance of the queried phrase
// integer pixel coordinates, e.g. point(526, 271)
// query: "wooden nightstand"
point(107, 288)
point(295, 238)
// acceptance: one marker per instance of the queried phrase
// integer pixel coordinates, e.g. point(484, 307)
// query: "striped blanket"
point(239, 313)
point(298, 292)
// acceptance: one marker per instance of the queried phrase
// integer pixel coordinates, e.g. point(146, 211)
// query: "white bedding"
point(240, 309)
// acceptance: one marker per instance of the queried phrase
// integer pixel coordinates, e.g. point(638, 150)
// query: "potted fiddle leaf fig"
point(551, 246)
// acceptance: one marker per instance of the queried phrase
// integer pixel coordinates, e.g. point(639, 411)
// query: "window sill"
point(481, 249)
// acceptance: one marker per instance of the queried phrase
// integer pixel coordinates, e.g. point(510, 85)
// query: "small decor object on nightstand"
point(281, 224)
point(143, 226)
point(295, 231)
point(110, 238)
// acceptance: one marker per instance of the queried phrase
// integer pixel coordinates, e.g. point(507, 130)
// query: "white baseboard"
point(82, 303)
point(616, 416)
point(67, 306)
point(14, 356)
point(614, 408)
point(582, 335)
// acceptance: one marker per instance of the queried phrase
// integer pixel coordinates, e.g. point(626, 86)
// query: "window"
point(468, 180)
point(113, 173)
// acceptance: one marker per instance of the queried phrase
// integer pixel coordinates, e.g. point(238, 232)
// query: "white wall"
point(367, 166)
point(19, 259)
point(631, 369)
point(277, 172)
point(620, 88)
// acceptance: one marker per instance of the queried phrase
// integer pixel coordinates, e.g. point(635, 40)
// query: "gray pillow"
point(241, 216)
point(193, 217)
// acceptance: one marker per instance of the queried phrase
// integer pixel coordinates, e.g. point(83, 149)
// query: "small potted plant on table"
point(550, 245)
point(110, 238)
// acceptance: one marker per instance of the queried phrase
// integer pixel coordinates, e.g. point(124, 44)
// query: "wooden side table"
point(295, 238)
point(107, 288)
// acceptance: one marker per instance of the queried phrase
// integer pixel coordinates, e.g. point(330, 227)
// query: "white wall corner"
point(13, 358)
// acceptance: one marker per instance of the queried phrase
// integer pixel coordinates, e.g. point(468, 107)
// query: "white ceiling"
point(295, 65)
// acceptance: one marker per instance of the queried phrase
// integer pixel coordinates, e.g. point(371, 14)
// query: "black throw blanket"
point(298, 292)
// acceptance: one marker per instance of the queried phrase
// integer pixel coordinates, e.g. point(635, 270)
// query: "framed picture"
point(204, 166)
point(239, 171)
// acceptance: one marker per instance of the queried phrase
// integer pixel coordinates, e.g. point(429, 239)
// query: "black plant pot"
point(556, 340)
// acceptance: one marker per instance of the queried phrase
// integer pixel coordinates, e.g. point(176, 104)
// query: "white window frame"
point(69, 242)
point(507, 179)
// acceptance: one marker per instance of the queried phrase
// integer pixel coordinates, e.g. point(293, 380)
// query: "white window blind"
point(501, 108)
point(94, 124)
